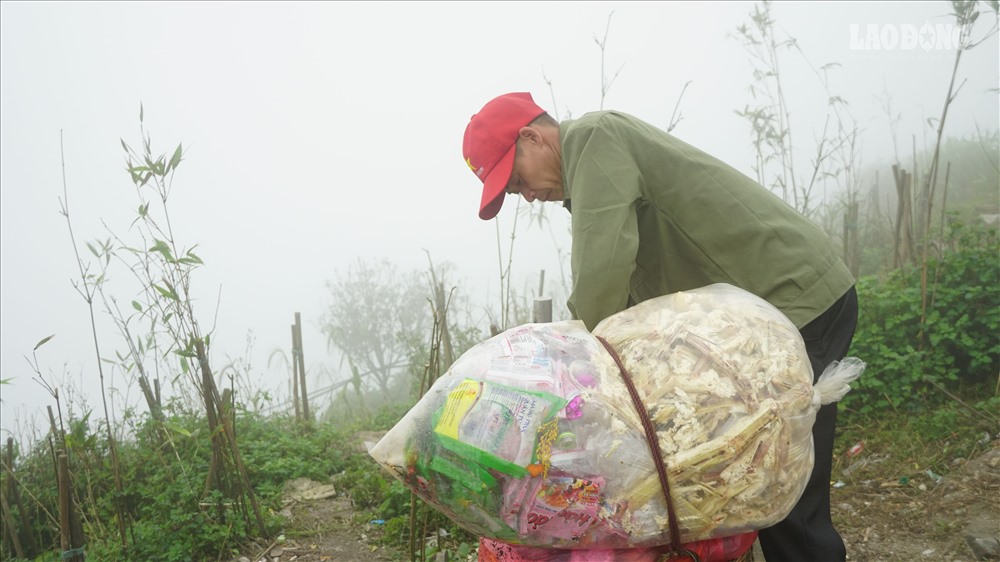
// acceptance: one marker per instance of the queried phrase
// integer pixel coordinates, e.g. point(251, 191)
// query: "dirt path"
point(956, 519)
point(323, 530)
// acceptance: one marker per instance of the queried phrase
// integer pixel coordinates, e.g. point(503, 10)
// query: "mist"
point(315, 134)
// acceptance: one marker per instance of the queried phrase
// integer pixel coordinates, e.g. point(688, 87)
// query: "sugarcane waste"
point(531, 437)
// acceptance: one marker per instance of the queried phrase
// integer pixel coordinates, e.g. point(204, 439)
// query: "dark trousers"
point(807, 534)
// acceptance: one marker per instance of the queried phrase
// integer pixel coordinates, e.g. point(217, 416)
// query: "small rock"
point(277, 551)
point(928, 552)
point(983, 547)
point(304, 489)
point(244, 559)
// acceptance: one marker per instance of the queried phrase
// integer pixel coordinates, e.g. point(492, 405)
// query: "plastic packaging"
point(531, 437)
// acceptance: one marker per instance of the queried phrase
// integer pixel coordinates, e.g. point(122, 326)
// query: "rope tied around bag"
point(676, 551)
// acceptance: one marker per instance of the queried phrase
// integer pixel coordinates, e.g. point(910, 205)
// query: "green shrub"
point(955, 345)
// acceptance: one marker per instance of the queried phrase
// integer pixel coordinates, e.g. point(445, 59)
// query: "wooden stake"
point(295, 376)
point(300, 356)
point(65, 542)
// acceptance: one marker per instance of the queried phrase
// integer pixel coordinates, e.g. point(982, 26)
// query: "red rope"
point(654, 445)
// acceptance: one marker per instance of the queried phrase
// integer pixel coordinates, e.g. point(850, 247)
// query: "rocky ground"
point(926, 517)
point(950, 519)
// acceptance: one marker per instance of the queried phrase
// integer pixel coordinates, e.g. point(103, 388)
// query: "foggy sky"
point(317, 133)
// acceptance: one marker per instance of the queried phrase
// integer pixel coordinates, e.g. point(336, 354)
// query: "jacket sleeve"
point(605, 186)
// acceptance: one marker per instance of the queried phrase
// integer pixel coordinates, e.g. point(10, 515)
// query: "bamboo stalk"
point(32, 547)
point(9, 521)
point(227, 430)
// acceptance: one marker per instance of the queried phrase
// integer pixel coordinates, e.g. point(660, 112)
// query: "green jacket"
point(652, 215)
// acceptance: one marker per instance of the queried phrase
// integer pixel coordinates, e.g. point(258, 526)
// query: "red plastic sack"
point(711, 550)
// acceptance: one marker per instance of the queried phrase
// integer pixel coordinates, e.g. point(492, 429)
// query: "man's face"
point(537, 171)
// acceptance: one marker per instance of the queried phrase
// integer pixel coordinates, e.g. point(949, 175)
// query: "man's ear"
point(530, 134)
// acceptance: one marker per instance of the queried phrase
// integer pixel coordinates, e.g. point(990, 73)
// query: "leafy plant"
point(912, 356)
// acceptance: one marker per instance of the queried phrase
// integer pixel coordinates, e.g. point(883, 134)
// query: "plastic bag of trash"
point(532, 437)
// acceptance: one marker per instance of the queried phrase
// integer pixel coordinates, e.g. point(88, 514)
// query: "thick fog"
point(317, 133)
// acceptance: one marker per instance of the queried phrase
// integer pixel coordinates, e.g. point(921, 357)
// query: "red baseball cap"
point(489, 144)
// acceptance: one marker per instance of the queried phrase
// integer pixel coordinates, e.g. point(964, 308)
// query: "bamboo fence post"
point(295, 377)
point(65, 504)
point(156, 388)
point(542, 311)
point(904, 216)
point(300, 356)
point(64, 533)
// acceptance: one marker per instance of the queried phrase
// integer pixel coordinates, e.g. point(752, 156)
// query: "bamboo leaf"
point(140, 112)
point(137, 306)
point(43, 341)
point(176, 428)
point(164, 249)
point(175, 159)
point(166, 293)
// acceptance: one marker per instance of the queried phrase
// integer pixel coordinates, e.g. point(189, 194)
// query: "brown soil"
point(880, 520)
point(921, 519)
point(323, 530)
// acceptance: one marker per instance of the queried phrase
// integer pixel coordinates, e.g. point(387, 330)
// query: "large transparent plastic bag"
point(531, 437)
